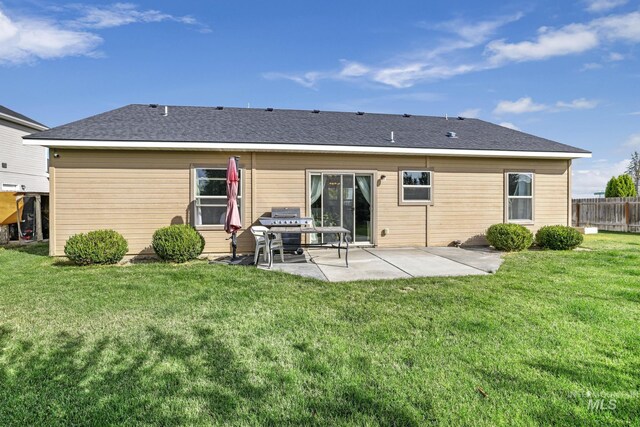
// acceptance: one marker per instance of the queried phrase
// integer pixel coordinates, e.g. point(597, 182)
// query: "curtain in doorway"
point(316, 192)
point(365, 187)
point(316, 188)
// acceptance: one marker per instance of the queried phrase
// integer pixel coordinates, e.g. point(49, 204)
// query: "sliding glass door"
point(344, 200)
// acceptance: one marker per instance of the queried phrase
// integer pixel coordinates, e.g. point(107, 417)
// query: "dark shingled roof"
point(9, 112)
point(251, 125)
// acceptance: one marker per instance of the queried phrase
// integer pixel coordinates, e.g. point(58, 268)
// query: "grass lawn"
point(204, 344)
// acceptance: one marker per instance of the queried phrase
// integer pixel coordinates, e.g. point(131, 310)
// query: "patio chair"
point(260, 233)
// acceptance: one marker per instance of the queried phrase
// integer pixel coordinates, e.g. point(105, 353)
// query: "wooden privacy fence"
point(610, 213)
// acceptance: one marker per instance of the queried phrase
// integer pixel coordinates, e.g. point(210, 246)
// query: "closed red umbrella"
point(232, 221)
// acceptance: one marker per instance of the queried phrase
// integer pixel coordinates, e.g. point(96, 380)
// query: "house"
point(24, 181)
point(393, 180)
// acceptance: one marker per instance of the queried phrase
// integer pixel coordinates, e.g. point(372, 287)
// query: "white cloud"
point(28, 39)
point(578, 104)
point(619, 27)
point(476, 32)
point(118, 14)
point(591, 66)
point(408, 75)
point(527, 105)
point(572, 39)
point(354, 69)
point(25, 39)
point(633, 140)
point(568, 40)
point(603, 5)
point(635, 113)
point(410, 68)
point(615, 56)
point(594, 179)
point(509, 125)
point(446, 59)
point(308, 79)
point(471, 113)
point(522, 105)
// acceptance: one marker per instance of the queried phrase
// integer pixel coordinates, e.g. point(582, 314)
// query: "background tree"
point(612, 189)
point(627, 186)
point(634, 169)
point(622, 186)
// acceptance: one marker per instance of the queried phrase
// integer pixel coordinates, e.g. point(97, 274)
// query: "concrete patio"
point(392, 263)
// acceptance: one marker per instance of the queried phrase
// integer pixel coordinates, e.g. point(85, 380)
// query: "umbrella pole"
point(234, 244)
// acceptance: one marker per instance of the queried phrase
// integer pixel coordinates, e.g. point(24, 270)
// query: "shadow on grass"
point(38, 249)
point(111, 382)
point(165, 379)
point(569, 401)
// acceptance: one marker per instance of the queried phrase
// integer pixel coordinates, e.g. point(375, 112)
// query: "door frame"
point(374, 196)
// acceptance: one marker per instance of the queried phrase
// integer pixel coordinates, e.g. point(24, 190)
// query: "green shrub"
point(509, 237)
point(558, 237)
point(177, 243)
point(96, 247)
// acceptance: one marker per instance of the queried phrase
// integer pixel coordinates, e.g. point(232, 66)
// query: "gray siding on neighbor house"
point(26, 165)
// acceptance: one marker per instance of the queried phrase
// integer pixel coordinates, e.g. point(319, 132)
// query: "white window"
point(211, 195)
point(519, 188)
point(415, 186)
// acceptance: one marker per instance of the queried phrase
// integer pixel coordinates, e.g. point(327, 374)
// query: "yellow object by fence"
point(9, 209)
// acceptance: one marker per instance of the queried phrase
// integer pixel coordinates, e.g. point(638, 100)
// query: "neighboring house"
point(394, 180)
point(23, 172)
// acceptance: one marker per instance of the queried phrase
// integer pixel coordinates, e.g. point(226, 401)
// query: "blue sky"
point(568, 71)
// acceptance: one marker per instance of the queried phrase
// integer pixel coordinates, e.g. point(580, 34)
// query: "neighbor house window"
point(415, 186)
point(211, 195)
point(519, 196)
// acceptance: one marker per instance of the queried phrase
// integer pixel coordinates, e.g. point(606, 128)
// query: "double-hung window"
point(211, 195)
point(416, 186)
point(519, 197)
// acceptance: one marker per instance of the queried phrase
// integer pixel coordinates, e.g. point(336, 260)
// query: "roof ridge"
point(215, 107)
point(9, 112)
point(202, 124)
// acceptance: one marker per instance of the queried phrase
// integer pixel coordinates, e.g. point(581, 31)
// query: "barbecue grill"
point(287, 216)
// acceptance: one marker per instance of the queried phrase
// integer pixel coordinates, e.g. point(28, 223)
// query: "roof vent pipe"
point(166, 111)
point(392, 140)
point(452, 135)
point(446, 117)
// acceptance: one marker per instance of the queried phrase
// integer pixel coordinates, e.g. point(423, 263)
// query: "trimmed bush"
point(558, 237)
point(177, 243)
point(509, 237)
point(96, 247)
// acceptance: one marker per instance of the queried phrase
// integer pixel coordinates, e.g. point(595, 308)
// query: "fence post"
point(627, 217)
point(578, 214)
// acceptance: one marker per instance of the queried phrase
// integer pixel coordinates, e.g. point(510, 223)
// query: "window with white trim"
point(519, 196)
point(211, 195)
point(415, 186)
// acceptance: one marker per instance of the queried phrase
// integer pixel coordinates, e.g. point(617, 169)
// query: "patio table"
point(345, 236)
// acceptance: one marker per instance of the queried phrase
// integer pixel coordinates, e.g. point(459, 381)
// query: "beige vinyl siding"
point(281, 181)
point(469, 196)
point(136, 192)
